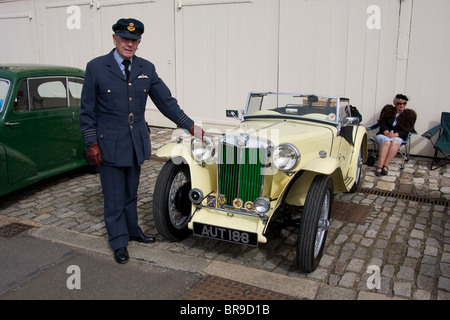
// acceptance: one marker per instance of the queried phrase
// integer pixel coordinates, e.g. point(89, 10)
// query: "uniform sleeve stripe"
point(182, 120)
point(90, 133)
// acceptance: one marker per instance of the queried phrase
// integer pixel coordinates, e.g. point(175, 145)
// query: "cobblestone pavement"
point(407, 241)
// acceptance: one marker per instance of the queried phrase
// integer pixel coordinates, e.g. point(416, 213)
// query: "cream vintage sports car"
point(279, 167)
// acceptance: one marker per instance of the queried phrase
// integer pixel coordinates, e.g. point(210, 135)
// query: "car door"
point(38, 137)
point(75, 86)
point(4, 88)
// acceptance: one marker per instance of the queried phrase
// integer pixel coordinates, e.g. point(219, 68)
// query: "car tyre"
point(314, 223)
point(171, 204)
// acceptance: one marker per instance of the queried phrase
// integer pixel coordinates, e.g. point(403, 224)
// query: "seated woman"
point(395, 125)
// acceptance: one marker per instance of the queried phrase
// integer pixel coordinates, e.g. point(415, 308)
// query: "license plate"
point(226, 234)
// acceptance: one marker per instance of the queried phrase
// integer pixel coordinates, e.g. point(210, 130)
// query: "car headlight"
point(202, 150)
point(285, 157)
point(261, 205)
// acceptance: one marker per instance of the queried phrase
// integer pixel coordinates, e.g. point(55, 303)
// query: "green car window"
point(4, 86)
point(75, 88)
point(21, 101)
point(47, 93)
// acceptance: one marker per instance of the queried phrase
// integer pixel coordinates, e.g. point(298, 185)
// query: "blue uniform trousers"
point(120, 186)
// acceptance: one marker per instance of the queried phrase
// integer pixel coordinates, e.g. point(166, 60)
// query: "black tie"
point(127, 63)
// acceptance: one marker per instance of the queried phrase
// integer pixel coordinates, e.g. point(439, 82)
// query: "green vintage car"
point(279, 167)
point(39, 130)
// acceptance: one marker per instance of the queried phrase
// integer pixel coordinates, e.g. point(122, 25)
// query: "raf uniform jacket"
point(113, 109)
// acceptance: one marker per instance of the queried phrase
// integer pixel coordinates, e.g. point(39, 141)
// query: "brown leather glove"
point(94, 154)
point(197, 132)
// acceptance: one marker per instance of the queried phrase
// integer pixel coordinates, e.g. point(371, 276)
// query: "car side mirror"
point(232, 114)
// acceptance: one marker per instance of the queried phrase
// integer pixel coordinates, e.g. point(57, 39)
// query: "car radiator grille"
point(240, 173)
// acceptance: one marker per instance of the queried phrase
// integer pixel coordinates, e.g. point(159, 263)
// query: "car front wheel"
point(314, 223)
point(171, 204)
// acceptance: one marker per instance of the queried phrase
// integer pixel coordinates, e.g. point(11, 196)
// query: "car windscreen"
point(293, 105)
point(4, 86)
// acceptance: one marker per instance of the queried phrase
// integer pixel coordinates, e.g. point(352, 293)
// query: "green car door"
point(4, 88)
point(40, 132)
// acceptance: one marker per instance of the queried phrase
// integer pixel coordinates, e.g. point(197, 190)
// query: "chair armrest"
point(430, 133)
point(373, 127)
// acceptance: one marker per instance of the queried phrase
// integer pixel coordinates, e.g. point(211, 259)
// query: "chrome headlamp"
point(285, 157)
point(202, 150)
point(261, 205)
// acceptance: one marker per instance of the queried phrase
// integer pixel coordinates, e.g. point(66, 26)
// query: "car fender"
point(361, 141)
point(174, 151)
point(203, 176)
point(322, 165)
point(295, 193)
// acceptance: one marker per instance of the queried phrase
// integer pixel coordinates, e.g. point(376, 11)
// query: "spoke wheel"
point(314, 224)
point(171, 204)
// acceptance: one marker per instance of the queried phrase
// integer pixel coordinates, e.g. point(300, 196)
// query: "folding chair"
point(442, 144)
point(403, 150)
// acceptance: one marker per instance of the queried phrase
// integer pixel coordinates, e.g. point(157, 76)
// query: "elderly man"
point(112, 120)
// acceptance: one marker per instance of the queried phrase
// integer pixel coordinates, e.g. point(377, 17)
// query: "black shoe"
point(379, 173)
point(121, 255)
point(143, 239)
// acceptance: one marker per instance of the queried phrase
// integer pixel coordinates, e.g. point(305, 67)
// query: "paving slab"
point(35, 269)
point(24, 258)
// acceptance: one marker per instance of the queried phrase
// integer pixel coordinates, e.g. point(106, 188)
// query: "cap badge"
point(131, 27)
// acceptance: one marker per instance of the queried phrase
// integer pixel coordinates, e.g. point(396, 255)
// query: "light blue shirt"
point(119, 60)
